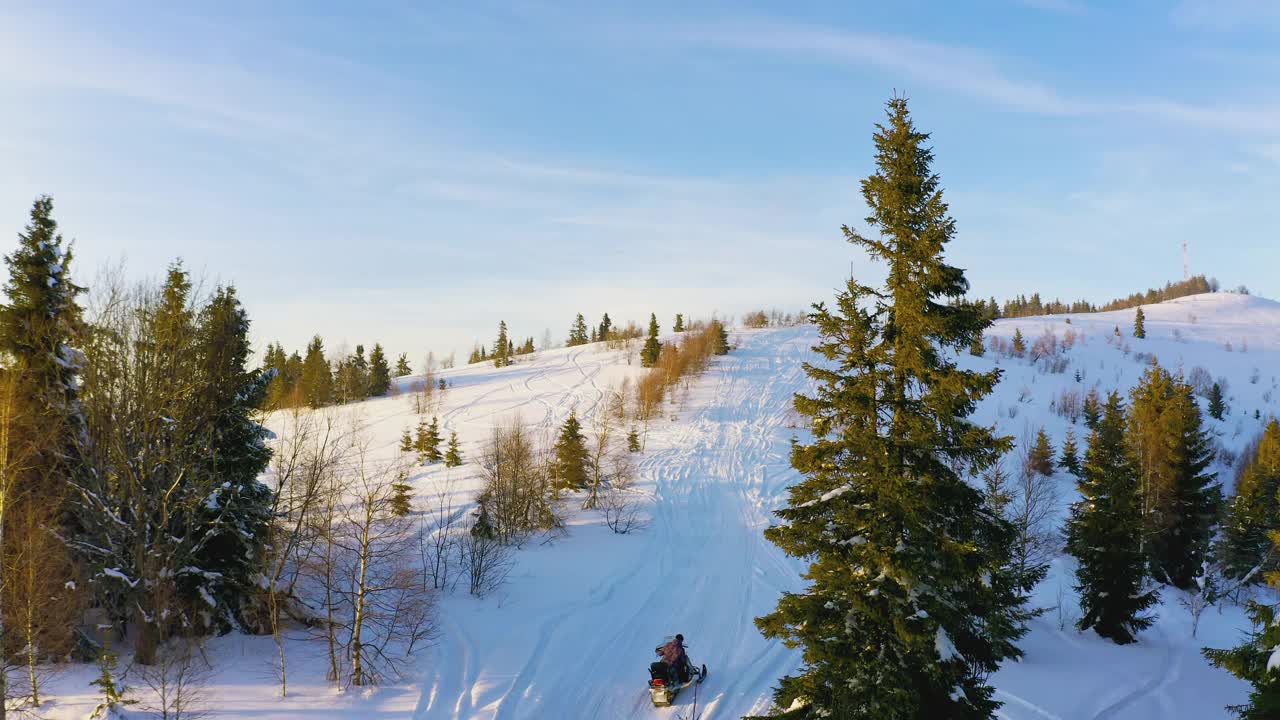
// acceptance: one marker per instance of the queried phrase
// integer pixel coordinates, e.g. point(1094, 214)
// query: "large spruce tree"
point(40, 332)
point(904, 615)
point(230, 453)
point(1179, 499)
point(1104, 534)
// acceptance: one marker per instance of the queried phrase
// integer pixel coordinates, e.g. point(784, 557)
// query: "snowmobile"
point(665, 682)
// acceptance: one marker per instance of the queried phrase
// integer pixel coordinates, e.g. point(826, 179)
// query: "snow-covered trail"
point(573, 637)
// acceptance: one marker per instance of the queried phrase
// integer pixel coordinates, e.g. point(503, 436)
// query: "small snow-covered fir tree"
point(1040, 456)
point(1104, 534)
point(1092, 409)
point(569, 467)
point(1217, 404)
point(453, 454)
point(1069, 460)
point(633, 441)
point(722, 338)
point(402, 365)
point(1139, 324)
point(317, 378)
point(379, 372)
point(1019, 344)
point(652, 347)
point(401, 502)
point(577, 332)
point(679, 324)
point(502, 347)
point(431, 443)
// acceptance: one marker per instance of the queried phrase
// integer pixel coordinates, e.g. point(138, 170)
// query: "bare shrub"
point(1055, 365)
point(1044, 346)
point(755, 319)
point(518, 494)
point(437, 541)
point(486, 560)
point(1031, 509)
point(620, 502)
point(1200, 380)
point(1069, 404)
point(179, 681)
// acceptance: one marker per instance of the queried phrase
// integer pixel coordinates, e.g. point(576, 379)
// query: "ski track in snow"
point(1152, 689)
point(705, 568)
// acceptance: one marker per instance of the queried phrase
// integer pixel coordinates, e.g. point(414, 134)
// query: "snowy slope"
point(571, 633)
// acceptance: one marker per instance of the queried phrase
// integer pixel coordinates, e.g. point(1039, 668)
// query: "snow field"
point(572, 631)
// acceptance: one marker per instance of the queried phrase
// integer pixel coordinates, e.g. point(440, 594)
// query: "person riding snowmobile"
point(674, 656)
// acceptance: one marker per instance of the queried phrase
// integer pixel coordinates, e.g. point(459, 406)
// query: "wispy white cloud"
point(970, 73)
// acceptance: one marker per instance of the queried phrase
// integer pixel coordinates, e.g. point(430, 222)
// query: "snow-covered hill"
point(572, 631)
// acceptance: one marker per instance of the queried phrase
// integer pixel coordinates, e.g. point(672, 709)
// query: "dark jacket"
point(672, 653)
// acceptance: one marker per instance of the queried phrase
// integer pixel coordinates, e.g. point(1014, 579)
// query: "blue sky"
point(413, 173)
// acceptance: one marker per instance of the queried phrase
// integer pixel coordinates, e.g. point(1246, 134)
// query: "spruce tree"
point(652, 348)
point(1255, 660)
point(406, 442)
point(1171, 453)
point(1019, 344)
point(502, 346)
point(1139, 324)
point(40, 330)
point(1217, 405)
point(905, 613)
point(402, 365)
point(452, 454)
point(633, 441)
point(1040, 456)
point(379, 372)
point(421, 441)
point(1092, 409)
point(606, 325)
point(1070, 458)
point(569, 467)
point(577, 332)
point(432, 442)
point(1104, 533)
point(679, 326)
point(401, 495)
point(722, 338)
point(1253, 512)
point(976, 348)
point(316, 381)
point(237, 515)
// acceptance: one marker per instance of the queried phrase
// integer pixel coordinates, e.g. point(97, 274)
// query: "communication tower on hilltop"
point(1186, 263)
